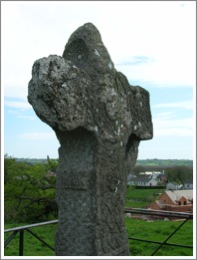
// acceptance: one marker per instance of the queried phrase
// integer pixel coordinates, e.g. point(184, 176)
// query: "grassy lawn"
point(155, 231)
point(159, 231)
point(140, 198)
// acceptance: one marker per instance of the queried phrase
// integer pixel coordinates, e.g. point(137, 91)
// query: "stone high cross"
point(99, 120)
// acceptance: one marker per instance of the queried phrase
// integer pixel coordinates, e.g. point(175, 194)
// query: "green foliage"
point(8, 169)
point(179, 174)
point(29, 195)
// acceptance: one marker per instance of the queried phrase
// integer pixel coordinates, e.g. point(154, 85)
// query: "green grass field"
point(157, 231)
point(140, 198)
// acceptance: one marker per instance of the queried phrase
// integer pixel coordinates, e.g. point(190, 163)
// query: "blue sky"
point(152, 43)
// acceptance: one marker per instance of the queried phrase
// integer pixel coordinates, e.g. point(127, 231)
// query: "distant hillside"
point(164, 163)
point(31, 161)
point(149, 163)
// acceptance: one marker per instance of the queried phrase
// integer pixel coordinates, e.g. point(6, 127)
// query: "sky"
point(153, 43)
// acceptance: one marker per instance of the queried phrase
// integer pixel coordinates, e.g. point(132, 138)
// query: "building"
point(177, 200)
point(173, 186)
point(142, 180)
point(188, 184)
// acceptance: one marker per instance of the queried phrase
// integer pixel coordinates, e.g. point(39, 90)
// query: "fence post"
point(21, 242)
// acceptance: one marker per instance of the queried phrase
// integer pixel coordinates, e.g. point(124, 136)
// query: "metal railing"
point(162, 213)
point(21, 231)
point(134, 211)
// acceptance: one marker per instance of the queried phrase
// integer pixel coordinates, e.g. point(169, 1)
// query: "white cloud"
point(184, 105)
point(170, 131)
point(151, 42)
point(14, 112)
point(161, 73)
point(17, 104)
point(27, 117)
point(169, 41)
point(38, 136)
point(163, 31)
point(170, 126)
point(17, 114)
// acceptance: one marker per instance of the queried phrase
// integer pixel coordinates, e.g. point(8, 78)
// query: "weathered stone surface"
point(99, 120)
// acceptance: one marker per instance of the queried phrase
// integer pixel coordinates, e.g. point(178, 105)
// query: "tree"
point(9, 164)
point(137, 169)
point(179, 174)
point(53, 164)
point(29, 194)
